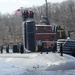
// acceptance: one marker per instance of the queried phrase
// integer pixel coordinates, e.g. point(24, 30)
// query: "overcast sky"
point(8, 6)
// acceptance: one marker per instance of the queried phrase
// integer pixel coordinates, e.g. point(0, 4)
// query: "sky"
point(9, 6)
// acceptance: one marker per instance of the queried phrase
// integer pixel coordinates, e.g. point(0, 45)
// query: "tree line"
point(61, 14)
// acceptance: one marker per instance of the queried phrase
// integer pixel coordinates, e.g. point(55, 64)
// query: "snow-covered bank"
point(61, 65)
point(9, 69)
point(37, 64)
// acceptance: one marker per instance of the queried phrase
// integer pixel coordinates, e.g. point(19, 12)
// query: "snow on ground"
point(9, 69)
point(37, 64)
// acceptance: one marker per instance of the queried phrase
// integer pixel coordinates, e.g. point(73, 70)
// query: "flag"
point(18, 11)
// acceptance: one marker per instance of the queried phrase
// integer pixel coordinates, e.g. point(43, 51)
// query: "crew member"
point(31, 14)
point(25, 15)
point(7, 49)
point(40, 46)
point(1, 48)
point(22, 49)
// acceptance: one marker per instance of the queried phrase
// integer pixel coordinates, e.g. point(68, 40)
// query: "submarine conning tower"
point(29, 34)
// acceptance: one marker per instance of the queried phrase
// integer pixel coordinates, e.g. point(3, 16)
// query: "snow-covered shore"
point(37, 64)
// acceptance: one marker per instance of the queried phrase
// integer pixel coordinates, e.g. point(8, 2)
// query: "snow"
point(9, 69)
point(37, 64)
point(61, 65)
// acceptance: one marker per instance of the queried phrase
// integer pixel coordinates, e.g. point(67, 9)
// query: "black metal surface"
point(29, 34)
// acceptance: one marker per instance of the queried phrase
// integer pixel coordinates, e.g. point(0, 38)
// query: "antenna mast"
point(48, 23)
